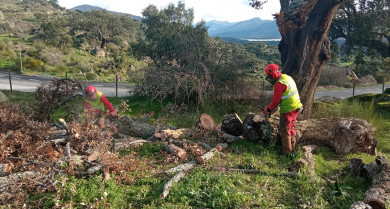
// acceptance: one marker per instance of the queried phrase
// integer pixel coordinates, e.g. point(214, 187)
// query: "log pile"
point(379, 174)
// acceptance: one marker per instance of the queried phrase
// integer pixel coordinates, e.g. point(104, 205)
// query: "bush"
point(83, 67)
point(334, 76)
point(90, 76)
point(52, 56)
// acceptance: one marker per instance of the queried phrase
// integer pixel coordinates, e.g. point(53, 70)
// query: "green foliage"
point(90, 191)
point(147, 150)
point(338, 190)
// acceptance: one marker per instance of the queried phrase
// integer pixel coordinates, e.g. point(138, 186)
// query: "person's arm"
point(107, 103)
point(279, 89)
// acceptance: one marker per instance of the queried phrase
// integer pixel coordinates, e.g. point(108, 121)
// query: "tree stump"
point(232, 124)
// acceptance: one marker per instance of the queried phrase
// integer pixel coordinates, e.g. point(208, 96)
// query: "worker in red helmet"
point(287, 97)
point(97, 103)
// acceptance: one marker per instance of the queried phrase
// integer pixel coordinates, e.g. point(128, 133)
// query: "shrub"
point(83, 67)
point(334, 76)
point(52, 56)
point(90, 76)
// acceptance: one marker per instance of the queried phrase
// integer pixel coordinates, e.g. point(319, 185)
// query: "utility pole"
point(20, 56)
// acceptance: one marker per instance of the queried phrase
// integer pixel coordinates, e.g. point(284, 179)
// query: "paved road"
point(30, 83)
point(26, 83)
point(344, 93)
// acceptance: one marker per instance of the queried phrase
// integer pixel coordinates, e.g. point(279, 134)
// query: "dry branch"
point(182, 167)
point(169, 184)
point(208, 155)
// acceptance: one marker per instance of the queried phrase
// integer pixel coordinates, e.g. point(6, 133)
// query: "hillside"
point(87, 8)
point(255, 28)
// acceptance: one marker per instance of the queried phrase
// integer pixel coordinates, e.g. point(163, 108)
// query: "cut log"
point(174, 134)
point(344, 135)
point(94, 156)
point(208, 155)
point(204, 145)
point(134, 128)
point(379, 173)
point(177, 151)
point(128, 143)
point(205, 122)
point(232, 124)
point(256, 129)
point(229, 138)
point(169, 184)
point(182, 167)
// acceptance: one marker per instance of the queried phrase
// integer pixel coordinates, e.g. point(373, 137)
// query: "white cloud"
point(222, 10)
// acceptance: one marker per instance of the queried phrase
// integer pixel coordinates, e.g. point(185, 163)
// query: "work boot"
point(286, 144)
point(293, 141)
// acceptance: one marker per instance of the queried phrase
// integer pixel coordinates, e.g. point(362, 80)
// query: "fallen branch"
point(169, 184)
point(250, 171)
point(182, 167)
point(124, 145)
point(208, 155)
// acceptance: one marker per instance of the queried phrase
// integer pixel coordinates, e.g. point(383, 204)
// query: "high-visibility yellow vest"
point(98, 104)
point(290, 99)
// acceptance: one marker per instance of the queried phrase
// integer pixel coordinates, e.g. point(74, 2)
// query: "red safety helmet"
point(273, 70)
point(91, 93)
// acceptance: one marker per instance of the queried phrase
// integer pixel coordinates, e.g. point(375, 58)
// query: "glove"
point(267, 111)
point(111, 114)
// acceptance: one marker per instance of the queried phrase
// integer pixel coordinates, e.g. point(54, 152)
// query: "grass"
point(204, 187)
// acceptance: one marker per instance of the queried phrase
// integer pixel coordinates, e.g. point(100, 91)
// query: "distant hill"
point(86, 8)
point(254, 28)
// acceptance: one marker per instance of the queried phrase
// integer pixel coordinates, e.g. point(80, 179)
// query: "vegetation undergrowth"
point(210, 185)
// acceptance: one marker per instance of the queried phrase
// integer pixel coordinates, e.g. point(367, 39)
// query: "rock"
point(3, 98)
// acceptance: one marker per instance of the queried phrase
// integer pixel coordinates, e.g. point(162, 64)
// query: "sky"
point(221, 10)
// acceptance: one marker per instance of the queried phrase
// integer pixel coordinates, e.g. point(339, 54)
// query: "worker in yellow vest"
point(286, 95)
point(97, 103)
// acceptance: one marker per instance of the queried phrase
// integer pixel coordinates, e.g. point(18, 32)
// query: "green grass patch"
point(6, 64)
point(19, 97)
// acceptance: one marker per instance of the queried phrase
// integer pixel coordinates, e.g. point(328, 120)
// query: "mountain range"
point(254, 28)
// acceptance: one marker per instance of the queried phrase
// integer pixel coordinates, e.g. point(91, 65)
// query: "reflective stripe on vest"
point(98, 104)
point(290, 99)
point(292, 90)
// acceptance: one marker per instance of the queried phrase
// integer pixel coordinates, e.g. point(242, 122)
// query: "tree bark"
point(305, 46)
point(232, 124)
point(344, 135)
point(131, 127)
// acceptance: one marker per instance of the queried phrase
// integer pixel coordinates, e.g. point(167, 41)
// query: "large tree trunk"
point(305, 46)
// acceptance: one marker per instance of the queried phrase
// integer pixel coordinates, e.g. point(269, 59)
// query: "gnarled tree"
point(305, 46)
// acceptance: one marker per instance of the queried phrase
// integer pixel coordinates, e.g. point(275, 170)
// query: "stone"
point(3, 98)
